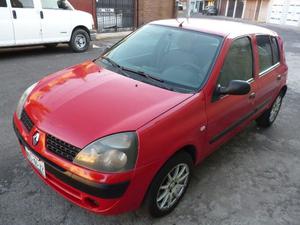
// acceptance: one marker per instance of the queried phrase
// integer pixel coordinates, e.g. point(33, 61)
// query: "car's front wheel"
point(80, 40)
point(270, 115)
point(169, 185)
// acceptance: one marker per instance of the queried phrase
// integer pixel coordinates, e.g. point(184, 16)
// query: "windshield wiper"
point(116, 65)
point(122, 70)
point(142, 73)
point(150, 77)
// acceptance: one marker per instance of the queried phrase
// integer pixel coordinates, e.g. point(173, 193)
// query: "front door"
point(7, 37)
point(26, 21)
point(226, 114)
point(56, 18)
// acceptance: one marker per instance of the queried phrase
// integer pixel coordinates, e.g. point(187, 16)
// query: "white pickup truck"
point(46, 22)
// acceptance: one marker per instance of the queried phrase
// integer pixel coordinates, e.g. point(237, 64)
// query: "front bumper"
point(93, 35)
point(119, 194)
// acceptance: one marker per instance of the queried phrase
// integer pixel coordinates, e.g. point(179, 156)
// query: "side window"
point(54, 4)
point(3, 3)
point(265, 52)
point(238, 64)
point(22, 3)
point(275, 48)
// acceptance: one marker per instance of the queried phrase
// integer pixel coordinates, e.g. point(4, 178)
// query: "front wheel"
point(269, 116)
point(169, 185)
point(80, 40)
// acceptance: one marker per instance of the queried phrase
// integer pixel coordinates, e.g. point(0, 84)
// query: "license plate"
point(36, 162)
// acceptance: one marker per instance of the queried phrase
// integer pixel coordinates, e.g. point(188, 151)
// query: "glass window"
point(54, 4)
point(275, 48)
point(238, 64)
point(265, 52)
point(178, 58)
point(22, 3)
point(3, 3)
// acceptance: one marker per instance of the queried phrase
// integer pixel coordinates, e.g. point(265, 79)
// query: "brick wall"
point(154, 10)
point(85, 5)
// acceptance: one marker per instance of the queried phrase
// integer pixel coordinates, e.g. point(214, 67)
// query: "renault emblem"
point(36, 138)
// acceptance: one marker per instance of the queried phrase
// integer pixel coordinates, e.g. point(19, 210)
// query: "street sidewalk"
point(101, 36)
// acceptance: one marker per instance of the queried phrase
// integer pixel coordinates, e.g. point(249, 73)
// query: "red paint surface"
point(85, 102)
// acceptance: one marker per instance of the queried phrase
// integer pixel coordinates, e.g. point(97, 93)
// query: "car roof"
point(214, 26)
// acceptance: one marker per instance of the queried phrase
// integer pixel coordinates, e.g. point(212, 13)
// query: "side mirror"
point(235, 87)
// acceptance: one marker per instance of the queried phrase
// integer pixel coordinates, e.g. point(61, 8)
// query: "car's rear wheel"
point(169, 185)
point(270, 115)
point(80, 40)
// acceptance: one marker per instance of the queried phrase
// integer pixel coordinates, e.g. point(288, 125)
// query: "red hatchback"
point(128, 127)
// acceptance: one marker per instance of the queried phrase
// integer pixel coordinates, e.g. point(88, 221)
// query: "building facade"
point(286, 12)
point(121, 15)
point(244, 9)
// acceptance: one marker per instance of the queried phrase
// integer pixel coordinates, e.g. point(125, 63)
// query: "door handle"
point(41, 14)
point(278, 77)
point(252, 95)
point(14, 14)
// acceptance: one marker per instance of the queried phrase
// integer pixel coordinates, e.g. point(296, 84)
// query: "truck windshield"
point(180, 59)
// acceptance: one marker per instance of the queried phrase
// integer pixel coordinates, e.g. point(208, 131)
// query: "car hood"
point(85, 102)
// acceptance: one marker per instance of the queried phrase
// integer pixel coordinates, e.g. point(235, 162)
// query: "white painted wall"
point(286, 12)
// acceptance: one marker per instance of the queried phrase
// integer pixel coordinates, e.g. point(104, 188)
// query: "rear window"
point(275, 48)
point(3, 3)
point(265, 52)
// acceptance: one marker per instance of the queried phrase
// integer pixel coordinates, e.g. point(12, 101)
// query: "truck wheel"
point(80, 40)
point(169, 185)
point(269, 116)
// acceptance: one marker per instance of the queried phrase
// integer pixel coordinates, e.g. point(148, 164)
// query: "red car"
point(128, 127)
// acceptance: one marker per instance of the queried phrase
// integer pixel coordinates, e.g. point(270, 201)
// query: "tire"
point(52, 45)
point(175, 189)
point(80, 40)
point(270, 115)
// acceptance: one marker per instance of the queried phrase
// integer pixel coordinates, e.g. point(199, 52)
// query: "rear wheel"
point(270, 115)
point(169, 185)
point(80, 40)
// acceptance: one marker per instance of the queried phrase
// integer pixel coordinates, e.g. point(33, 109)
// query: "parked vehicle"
point(128, 127)
point(46, 22)
point(210, 10)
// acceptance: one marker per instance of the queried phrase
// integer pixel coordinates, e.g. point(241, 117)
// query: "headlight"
point(23, 100)
point(114, 153)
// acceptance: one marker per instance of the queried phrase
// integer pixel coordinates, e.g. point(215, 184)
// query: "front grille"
point(61, 148)
point(27, 122)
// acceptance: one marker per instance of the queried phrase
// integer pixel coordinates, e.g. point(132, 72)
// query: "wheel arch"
point(283, 90)
point(81, 27)
point(190, 149)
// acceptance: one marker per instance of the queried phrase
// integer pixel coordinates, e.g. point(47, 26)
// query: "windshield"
point(178, 58)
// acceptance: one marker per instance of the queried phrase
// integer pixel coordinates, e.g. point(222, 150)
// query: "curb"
point(101, 36)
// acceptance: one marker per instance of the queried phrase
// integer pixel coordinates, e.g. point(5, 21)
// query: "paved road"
point(253, 180)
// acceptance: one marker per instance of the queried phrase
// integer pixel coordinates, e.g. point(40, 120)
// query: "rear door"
point(56, 18)
point(7, 37)
point(269, 77)
point(26, 22)
point(226, 114)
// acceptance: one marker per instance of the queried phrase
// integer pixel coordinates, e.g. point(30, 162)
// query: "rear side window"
point(265, 52)
point(238, 64)
point(21, 3)
point(55, 4)
point(3, 3)
point(275, 48)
